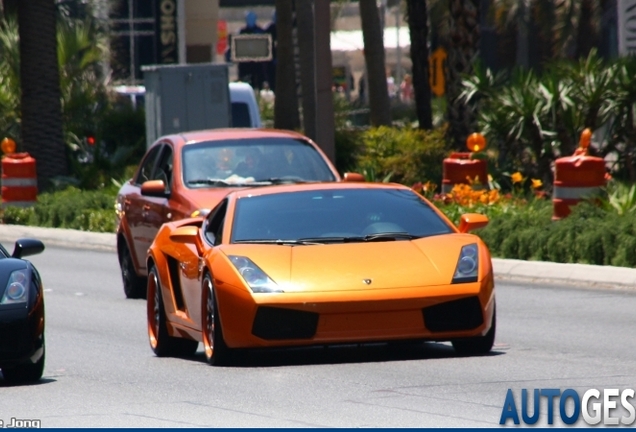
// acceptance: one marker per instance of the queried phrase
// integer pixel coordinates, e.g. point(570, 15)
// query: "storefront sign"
point(167, 32)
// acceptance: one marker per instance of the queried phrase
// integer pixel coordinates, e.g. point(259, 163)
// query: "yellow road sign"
point(437, 71)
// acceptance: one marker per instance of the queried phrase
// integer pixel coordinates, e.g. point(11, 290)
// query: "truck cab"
point(245, 111)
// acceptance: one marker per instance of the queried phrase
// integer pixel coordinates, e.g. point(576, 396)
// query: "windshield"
point(241, 115)
point(335, 216)
point(252, 161)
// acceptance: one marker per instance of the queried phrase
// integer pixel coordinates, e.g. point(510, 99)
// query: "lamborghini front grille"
point(462, 314)
point(273, 323)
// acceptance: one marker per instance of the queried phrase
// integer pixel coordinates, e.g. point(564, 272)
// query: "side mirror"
point(185, 234)
point(351, 177)
point(189, 235)
point(154, 188)
point(26, 246)
point(472, 221)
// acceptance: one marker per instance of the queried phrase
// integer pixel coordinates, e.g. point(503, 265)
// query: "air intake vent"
point(15, 338)
point(462, 314)
point(278, 323)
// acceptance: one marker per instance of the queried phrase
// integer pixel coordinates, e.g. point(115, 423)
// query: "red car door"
point(146, 214)
point(156, 210)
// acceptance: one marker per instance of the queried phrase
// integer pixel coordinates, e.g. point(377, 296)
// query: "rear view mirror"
point(26, 246)
point(185, 234)
point(472, 221)
point(154, 188)
point(189, 235)
point(351, 177)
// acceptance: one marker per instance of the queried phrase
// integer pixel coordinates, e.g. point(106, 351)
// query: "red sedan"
point(187, 174)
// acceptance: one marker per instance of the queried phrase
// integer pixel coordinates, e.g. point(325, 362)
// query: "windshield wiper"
point(210, 181)
point(387, 236)
point(277, 241)
point(390, 236)
point(322, 240)
point(282, 180)
point(225, 183)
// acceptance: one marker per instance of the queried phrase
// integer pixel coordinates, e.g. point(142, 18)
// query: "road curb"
point(562, 273)
point(59, 237)
point(505, 269)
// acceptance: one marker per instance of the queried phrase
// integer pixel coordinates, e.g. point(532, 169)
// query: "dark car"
point(21, 314)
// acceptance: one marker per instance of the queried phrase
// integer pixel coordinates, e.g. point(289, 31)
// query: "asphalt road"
point(100, 371)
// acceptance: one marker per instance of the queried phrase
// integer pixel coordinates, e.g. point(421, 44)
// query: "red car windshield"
point(249, 161)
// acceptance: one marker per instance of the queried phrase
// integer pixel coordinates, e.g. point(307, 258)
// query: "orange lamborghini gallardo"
point(316, 264)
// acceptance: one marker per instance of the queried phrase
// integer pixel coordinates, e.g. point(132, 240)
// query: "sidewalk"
point(505, 269)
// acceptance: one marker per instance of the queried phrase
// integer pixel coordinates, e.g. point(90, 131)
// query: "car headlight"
point(17, 290)
point(467, 265)
point(255, 278)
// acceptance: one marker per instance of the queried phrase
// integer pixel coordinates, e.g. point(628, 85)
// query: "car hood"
point(206, 198)
point(358, 266)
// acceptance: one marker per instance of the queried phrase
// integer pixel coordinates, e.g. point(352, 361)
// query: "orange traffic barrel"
point(19, 180)
point(460, 168)
point(576, 177)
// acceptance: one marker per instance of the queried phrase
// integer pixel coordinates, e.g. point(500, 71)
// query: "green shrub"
point(17, 215)
point(70, 208)
point(589, 235)
point(407, 155)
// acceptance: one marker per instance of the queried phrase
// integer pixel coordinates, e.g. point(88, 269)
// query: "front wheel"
point(216, 351)
point(162, 344)
point(478, 345)
point(26, 372)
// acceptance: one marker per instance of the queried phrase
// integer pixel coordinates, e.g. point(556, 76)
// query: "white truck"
point(192, 97)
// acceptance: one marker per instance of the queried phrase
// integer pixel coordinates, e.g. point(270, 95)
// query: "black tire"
point(161, 343)
point(216, 351)
point(134, 285)
point(26, 372)
point(478, 345)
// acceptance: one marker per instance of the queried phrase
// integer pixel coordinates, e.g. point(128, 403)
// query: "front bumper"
point(287, 319)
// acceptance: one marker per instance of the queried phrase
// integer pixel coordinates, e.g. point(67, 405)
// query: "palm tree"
point(379, 102)
point(286, 106)
point(42, 134)
point(306, 41)
point(41, 113)
point(9, 79)
point(418, 27)
point(462, 54)
point(558, 29)
point(81, 48)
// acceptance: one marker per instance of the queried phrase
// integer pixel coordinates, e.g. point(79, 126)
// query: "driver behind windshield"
point(252, 164)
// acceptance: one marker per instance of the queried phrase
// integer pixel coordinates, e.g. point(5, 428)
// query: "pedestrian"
point(390, 84)
point(406, 89)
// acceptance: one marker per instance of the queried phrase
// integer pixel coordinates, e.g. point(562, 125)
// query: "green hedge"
point(590, 235)
point(402, 155)
point(71, 208)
